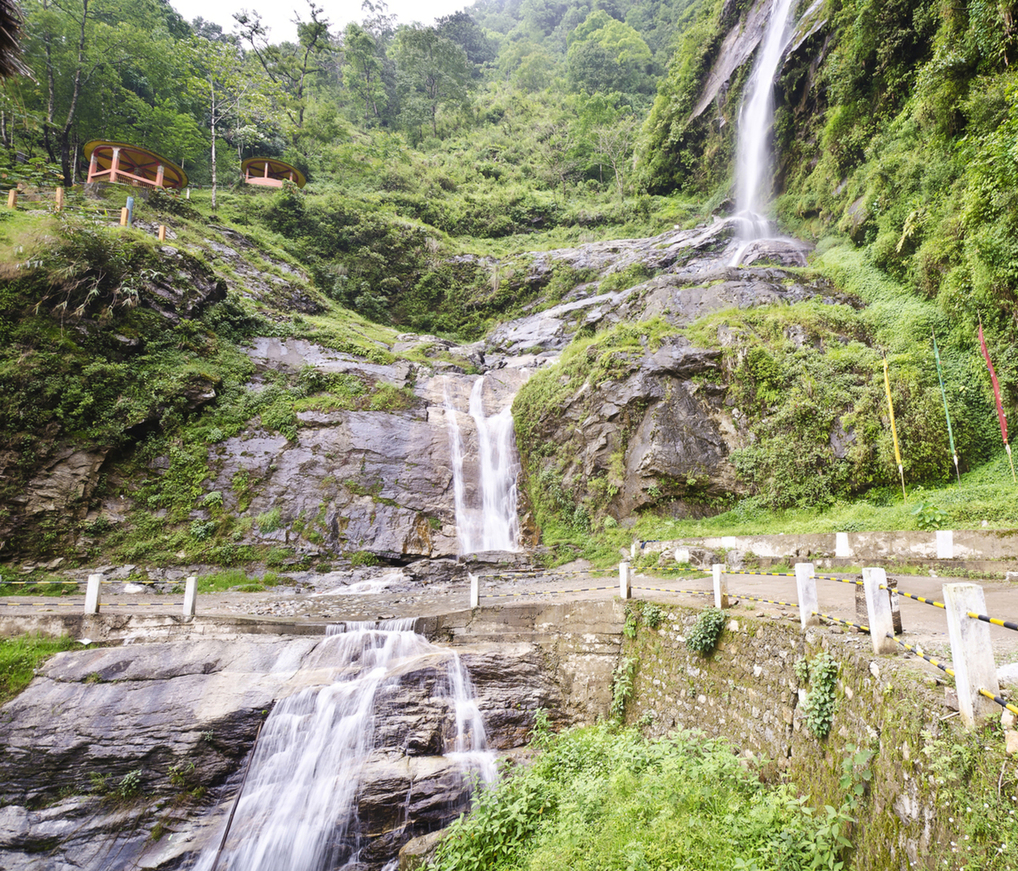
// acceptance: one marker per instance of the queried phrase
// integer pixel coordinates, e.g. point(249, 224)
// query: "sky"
point(278, 14)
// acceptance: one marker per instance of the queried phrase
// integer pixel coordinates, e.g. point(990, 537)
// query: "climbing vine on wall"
point(820, 702)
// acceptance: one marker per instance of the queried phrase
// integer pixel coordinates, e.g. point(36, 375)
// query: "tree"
point(290, 67)
point(432, 71)
point(363, 69)
point(220, 83)
point(464, 31)
point(608, 55)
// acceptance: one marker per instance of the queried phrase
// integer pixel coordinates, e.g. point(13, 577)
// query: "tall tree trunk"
point(212, 91)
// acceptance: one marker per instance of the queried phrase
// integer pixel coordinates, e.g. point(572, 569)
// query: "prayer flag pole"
point(996, 396)
point(947, 413)
point(894, 431)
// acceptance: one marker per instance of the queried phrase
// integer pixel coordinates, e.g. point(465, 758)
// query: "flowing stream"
point(297, 805)
point(756, 116)
point(486, 513)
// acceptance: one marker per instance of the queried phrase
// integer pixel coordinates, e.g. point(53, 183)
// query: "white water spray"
point(488, 521)
point(753, 161)
point(297, 808)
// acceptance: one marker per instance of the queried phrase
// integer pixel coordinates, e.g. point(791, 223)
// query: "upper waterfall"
point(753, 169)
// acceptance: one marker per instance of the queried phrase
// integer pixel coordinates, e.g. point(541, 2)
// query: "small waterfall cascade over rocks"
point(298, 807)
point(484, 487)
point(753, 169)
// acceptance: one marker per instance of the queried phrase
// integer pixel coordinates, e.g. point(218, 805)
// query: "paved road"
point(388, 595)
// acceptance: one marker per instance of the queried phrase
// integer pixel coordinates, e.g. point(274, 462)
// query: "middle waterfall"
point(485, 492)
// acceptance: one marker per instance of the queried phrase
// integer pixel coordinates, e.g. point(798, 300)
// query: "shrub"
point(706, 631)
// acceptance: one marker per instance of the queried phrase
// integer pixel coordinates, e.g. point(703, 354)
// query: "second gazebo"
point(269, 172)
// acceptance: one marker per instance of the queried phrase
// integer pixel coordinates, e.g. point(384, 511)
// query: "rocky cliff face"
point(377, 477)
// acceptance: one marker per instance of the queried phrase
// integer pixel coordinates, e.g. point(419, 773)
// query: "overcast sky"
point(278, 14)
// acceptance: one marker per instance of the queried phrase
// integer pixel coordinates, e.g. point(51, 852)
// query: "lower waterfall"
point(297, 807)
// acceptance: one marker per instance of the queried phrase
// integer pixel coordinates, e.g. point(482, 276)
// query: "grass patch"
point(601, 798)
point(20, 657)
point(235, 580)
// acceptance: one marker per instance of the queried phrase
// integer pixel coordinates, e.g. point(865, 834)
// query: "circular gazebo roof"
point(134, 165)
point(270, 172)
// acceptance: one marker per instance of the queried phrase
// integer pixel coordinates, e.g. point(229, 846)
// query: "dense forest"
point(436, 154)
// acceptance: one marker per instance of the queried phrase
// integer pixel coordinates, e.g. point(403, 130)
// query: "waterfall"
point(756, 116)
point(488, 521)
point(297, 806)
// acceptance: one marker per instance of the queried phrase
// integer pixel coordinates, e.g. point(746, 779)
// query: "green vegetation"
point(605, 798)
point(705, 633)
point(236, 580)
point(822, 675)
point(22, 655)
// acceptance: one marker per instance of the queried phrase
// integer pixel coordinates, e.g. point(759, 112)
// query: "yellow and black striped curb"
point(838, 620)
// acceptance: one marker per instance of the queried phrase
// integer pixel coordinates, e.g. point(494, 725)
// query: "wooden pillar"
point(12, 199)
point(114, 164)
point(162, 232)
point(123, 217)
point(59, 199)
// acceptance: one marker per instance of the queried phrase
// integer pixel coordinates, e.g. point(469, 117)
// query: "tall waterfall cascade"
point(297, 804)
point(753, 169)
point(484, 491)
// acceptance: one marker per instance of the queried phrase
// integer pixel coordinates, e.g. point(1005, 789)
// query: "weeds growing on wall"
point(600, 797)
point(703, 637)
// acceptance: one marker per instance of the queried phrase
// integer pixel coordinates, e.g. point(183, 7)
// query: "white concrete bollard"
point(720, 585)
point(92, 596)
point(971, 650)
point(625, 581)
point(806, 587)
point(475, 590)
point(842, 550)
point(945, 544)
point(878, 610)
point(190, 597)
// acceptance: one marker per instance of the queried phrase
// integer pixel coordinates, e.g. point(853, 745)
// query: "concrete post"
point(841, 547)
point(190, 597)
point(971, 650)
point(475, 590)
point(130, 211)
point(806, 587)
point(720, 585)
point(92, 594)
point(625, 581)
point(632, 550)
point(945, 544)
point(878, 610)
